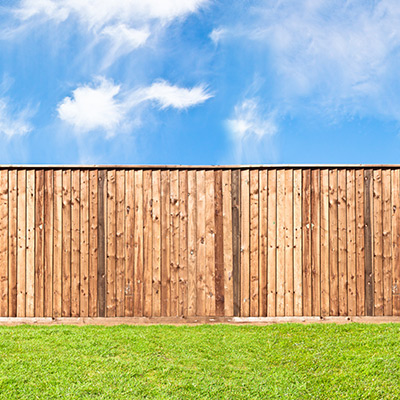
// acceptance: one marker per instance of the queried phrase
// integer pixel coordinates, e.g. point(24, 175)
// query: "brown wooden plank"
point(93, 242)
point(333, 243)
point(297, 243)
point(147, 244)
point(183, 243)
point(396, 240)
point(368, 248)
point(201, 249)
point(324, 242)
point(342, 242)
point(236, 240)
point(120, 243)
point(351, 243)
point(378, 242)
point(84, 243)
point(245, 243)
point(58, 254)
point(111, 294)
point(227, 241)
point(12, 243)
point(387, 243)
point(360, 280)
point(288, 223)
point(192, 243)
point(315, 242)
point(210, 244)
point(101, 235)
point(165, 243)
point(280, 242)
point(272, 208)
point(21, 242)
point(254, 243)
point(263, 242)
point(306, 217)
point(4, 243)
point(48, 242)
point(138, 244)
point(174, 223)
point(75, 241)
point(129, 242)
point(156, 232)
point(39, 244)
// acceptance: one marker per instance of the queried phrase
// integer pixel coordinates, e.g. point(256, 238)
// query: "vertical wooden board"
point(333, 244)
point(297, 243)
point(183, 243)
point(21, 242)
point(235, 177)
point(324, 242)
point(84, 243)
point(263, 242)
point(48, 242)
point(165, 245)
point(66, 242)
point(306, 209)
point(201, 249)
point(288, 223)
point(351, 243)
point(120, 243)
point(192, 243)
point(93, 244)
point(101, 237)
point(387, 243)
point(227, 241)
point(368, 247)
point(58, 251)
point(315, 242)
point(377, 242)
point(111, 244)
point(75, 231)
point(3, 243)
point(272, 206)
point(156, 232)
point(342, 242)
point(280, 242)
point(12, 243)
point(138, 244)
point(147, 244)
point(129, 241)
point(210, 244)
point(396, 240)
point(174, 224)
point(254, 243)
point(245, 242)
point(360, 278)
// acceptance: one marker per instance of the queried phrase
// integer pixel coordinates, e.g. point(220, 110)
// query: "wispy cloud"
point(13, 123)
point(104, 106)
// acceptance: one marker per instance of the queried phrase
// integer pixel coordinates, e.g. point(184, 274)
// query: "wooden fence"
point(199, 241)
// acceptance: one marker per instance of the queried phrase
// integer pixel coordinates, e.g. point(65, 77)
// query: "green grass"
point(201, 362)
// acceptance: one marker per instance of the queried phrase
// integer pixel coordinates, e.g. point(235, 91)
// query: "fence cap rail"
point(198, 167)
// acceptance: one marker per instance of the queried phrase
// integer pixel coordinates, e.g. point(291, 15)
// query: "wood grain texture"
point(263, 242)
point(288, 223)
point(57, 242)
point(324, 242)
point(192, 243)
point(360, 280)
point(307, 267)
point(342, 242)
point(101, 243)
point(351, 244)
point(4, 248)
point(378, 242)
point(49, 243)
point(111, 292)
point(174, 226)
point(333, 244)
point(129, 214)
point(183, 244)
point(395, 237)
point(315, 242)
point(21, 242)
point(93, 242)
point(201, 250)
point(120, 243)
point(368, 245)
point(236, 240)
point(387, 242)
point(147, 244)
point(156, 232)
point(39, 250)
point(297, 243)
point(254, 243)
point(165, 243)
point(84, 244)
point(75, 242)
point(12, 243)
point(138, 245)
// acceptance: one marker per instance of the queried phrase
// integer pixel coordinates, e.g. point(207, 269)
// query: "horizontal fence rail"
point(203, 241)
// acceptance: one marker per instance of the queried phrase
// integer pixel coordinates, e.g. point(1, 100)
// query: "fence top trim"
point(197, 167)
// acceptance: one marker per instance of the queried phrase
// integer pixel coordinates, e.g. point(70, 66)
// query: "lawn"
point(289, 361)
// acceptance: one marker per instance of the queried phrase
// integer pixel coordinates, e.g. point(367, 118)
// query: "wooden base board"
point(5, 321)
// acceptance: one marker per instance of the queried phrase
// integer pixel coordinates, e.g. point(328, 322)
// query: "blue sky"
point(199, 81)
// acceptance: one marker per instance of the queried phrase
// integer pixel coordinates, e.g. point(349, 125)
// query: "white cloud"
point(218, 34)
point(167, 95)
point(12, 124)
point(92, 108)
point(105, 107)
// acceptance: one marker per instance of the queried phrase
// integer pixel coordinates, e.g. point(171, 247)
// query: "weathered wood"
point(297, 243)
point(183, 244)
point(174, 226)
point(84, 244)
point(351, 244)
point(120, 243)
point(236, 240)
point(93, 242)
point(324, 242)
point(210, 244)
point(307, 267)
point(254, 243)
point(342, 242)
point(147, 244)
point(368, 247)
point(39, 247)
point(4, 244)
point(387, 242)
point(263, 242)
point(129, 249)
point(272, 206)
point(101, 252)
point(138, 245)
point(315, 227)
point(333, 244)
point(200, 236)
point(75, 242)
point(57, 241)
point(396, 240)
point(48, 243)
point(360, 280)
point(12, 243)
point(156, 232)
point(378, 242)
point(165, 243)
point(21, 243)
point(192, 243)
point(280, 242)
point(111, 244)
